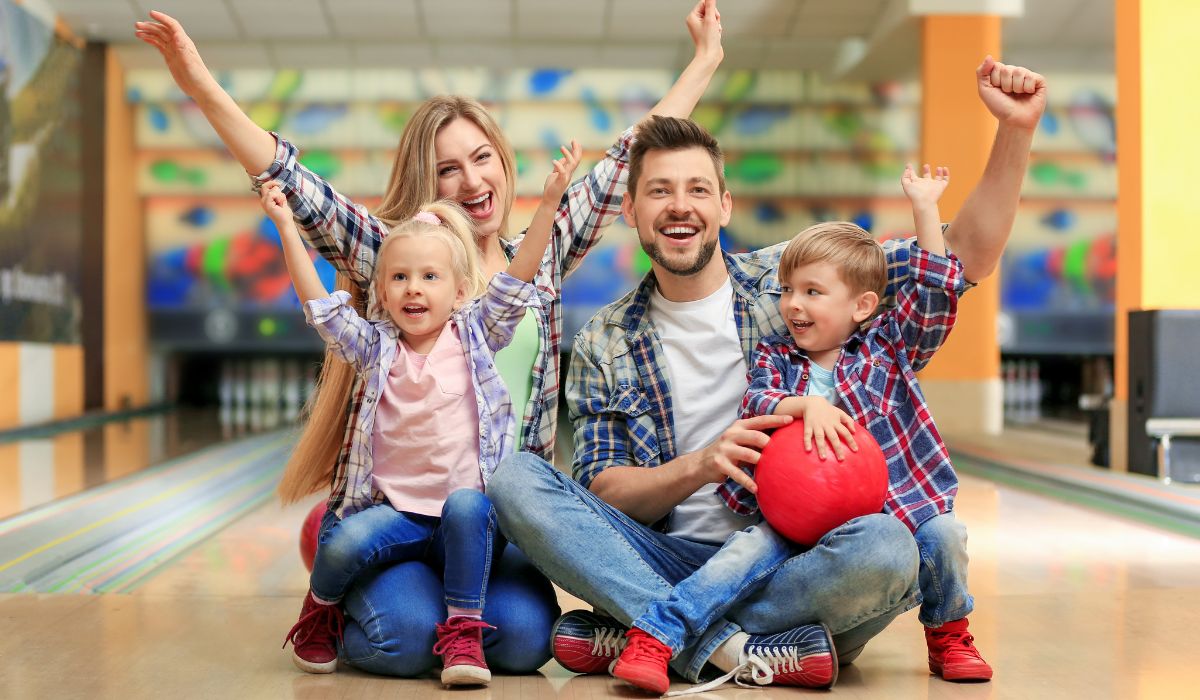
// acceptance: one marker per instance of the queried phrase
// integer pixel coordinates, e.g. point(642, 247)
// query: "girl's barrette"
point(428, 217)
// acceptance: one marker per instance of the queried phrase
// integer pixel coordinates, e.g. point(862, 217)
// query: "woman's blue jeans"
point(396, 591)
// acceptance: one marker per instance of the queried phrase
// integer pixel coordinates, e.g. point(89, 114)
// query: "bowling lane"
point(35, 471)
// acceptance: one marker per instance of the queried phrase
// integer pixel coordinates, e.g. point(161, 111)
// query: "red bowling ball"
point(803, 497)
point(309, 533)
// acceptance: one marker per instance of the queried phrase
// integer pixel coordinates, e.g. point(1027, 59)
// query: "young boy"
point(839, 369)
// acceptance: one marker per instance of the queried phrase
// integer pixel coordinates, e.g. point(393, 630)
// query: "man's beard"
point(703, 257)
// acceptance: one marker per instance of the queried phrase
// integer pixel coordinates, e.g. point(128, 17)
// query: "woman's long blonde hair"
point(412, 184)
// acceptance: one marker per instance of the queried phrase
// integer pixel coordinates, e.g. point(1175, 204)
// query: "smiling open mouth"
point(414, 310)
point(801, 325)
point(680, 232)
point(480, 207)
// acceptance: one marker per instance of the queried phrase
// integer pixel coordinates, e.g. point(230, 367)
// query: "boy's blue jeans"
point(743, 565)
point(942, 543)
point(748, 559)
point(856, 580)
point(463, 542)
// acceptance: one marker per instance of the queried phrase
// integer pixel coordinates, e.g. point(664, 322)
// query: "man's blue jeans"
point(942, 542)
point(743, 565)
point(856, 580)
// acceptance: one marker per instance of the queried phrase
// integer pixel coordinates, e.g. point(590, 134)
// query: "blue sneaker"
point(802, 657)
point(587, 642)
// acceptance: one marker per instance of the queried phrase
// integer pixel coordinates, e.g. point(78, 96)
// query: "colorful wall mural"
point(798, 151)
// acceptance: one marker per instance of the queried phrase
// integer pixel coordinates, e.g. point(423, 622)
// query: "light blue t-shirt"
point(820, 383)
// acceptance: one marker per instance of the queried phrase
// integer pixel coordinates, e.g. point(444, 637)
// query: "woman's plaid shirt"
point(346, 235)
point(876, 383)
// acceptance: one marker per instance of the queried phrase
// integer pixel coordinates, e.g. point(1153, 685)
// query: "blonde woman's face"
point(469, 171)
point(419, 289)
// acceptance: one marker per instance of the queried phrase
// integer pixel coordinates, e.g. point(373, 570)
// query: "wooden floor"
point(1070, 603)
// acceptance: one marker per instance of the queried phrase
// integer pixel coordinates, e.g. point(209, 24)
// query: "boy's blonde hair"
point(454, 229)
point(858, 258)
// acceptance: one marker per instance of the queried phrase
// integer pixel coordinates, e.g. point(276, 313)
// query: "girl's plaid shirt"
point(346, 235)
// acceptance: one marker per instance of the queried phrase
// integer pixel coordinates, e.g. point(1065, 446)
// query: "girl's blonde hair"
point(453, 227)
point(411, 185)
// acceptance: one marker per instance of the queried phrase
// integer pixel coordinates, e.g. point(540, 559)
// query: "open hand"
point(741, 443)
point(560, 177)
point(827, 425)
point(925, 189)
point(1014, 95)
point(166, 34)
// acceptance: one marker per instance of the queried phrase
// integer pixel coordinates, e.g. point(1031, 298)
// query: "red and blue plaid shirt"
point(346, 235)
point(876, 383)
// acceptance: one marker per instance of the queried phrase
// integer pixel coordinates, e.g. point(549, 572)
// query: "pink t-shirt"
point(426, 439)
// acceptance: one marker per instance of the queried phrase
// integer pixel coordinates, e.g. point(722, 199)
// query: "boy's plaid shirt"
point(618, 390)
point(876, 383)
point(346, 235)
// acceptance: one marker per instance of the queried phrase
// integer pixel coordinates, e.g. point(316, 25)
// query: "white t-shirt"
point(707, 374)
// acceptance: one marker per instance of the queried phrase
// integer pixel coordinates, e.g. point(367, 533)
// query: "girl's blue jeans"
point(394, 603)
point(462, 543)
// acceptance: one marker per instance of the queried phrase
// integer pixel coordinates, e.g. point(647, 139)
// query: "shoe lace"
point(960, 643)
point(318, 624)
point(765, 662)
point(608, 642)
point(455, 637)
point(643, 649)
point(753, 668)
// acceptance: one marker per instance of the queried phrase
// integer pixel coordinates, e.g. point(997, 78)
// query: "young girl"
point(436, 421)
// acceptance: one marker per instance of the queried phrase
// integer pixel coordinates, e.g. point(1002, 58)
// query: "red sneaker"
point(644, 662)
point(315, 636)
point(460, 644)
point(952, 653)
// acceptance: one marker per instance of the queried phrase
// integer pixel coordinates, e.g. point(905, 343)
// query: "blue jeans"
point(856, 580)
point(463, 541)
point(392, 610)
point(743, 565)
point(391, 614)
point(942, 542)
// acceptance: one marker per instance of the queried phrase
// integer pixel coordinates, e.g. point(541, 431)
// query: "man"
point(656, 380)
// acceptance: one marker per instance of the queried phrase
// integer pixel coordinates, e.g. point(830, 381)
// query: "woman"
point(450, 148)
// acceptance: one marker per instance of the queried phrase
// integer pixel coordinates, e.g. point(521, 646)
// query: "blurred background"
point(154, 361)
point(138, 275)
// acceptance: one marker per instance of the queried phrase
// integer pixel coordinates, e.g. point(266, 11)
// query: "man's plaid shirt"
point(618, 389)
point(346, 235)
point(876, 383)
